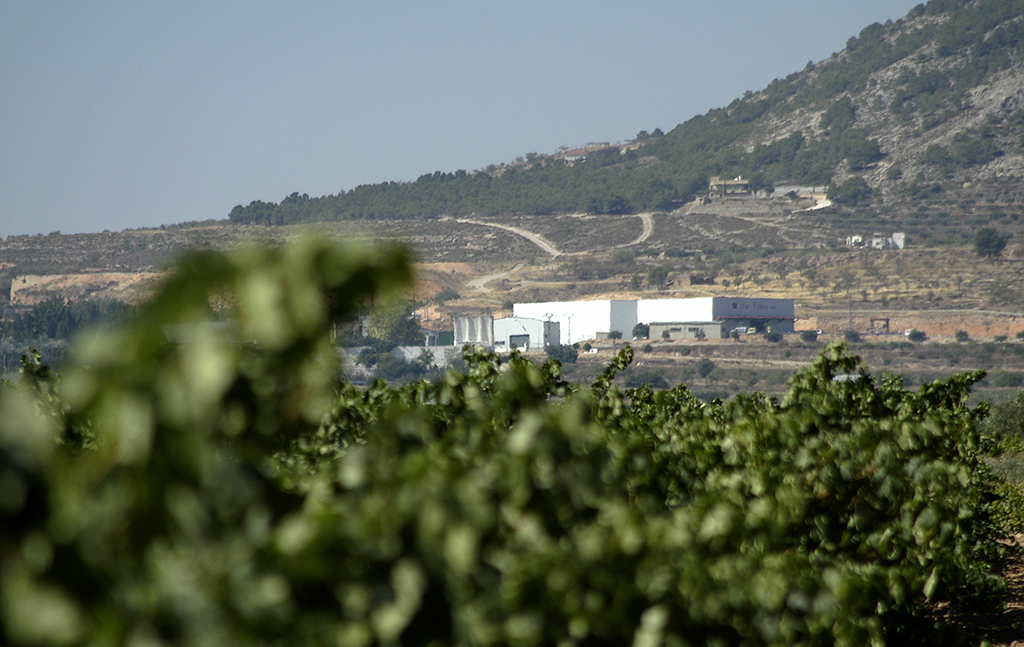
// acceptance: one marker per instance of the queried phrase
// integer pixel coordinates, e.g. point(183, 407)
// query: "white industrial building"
point(732, 312)
point(525, 333)
point(583, 320)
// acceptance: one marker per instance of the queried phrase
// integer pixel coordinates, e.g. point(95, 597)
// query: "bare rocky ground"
point(935, 289)
point(779, 254)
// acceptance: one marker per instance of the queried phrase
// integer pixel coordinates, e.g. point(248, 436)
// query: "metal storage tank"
point(474, 329)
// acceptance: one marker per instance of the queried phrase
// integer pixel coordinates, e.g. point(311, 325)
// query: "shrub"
point(916, 335)
point(446, 294)
point(851, 336)
point(653, 378)
point(1007, 379)
point(564, 354)
point(851, 192)
point(773, 336)
point(1006, 420)
point(961, 336)
point(989, 243)
point(808, 336)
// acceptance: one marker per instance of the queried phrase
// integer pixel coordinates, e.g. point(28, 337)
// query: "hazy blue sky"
point(119, 115)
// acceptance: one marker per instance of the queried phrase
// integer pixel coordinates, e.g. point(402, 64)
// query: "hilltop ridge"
point(919, 122)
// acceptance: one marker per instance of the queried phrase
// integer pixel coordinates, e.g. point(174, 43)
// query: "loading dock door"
point(521, 342)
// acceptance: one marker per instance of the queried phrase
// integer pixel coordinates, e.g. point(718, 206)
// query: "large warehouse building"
point(583, 320)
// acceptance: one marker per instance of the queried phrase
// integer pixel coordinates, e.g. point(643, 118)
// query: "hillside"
point(802, 130)
point(917, 124)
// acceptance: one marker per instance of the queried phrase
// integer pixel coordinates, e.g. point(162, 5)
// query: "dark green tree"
point(839, 116)
point(564, 354)
point(657, 277)
point(394, 322)
point(705, 367)
point(852, 192)
point(916, 335)
point(989, 243)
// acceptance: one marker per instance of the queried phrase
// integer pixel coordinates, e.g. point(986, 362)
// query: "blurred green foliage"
point(226, 488)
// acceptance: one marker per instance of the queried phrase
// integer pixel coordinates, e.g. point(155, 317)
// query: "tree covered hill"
point(929, 107)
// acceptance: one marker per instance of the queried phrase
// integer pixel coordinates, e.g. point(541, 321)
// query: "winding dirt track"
point(536, 239)
point(548, 247)
point(648, 220)
point(481, 283)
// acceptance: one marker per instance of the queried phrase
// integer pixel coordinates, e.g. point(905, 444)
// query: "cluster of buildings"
point(723, 187)
point(538, 325)
point(878, 241)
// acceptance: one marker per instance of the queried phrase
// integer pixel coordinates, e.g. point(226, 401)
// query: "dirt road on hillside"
point(536, 239)
point(549, 248)
point(481, 283)
point(648, 220)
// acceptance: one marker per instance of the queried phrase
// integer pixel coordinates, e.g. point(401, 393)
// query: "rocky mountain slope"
point(917, 124)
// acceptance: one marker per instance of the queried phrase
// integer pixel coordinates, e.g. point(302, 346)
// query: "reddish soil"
point(944, 323)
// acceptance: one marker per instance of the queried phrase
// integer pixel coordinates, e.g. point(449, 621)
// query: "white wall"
point(650, 311)
point(582, 320)
point(623, 317)
point(505, 328)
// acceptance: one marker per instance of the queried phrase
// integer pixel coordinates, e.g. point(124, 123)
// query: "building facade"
point(525, 334)
point(687, 330)
point(583, 320)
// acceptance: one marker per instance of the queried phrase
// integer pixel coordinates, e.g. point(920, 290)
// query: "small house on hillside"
point(878, 241)
point(724, 187)
point(575, 155)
